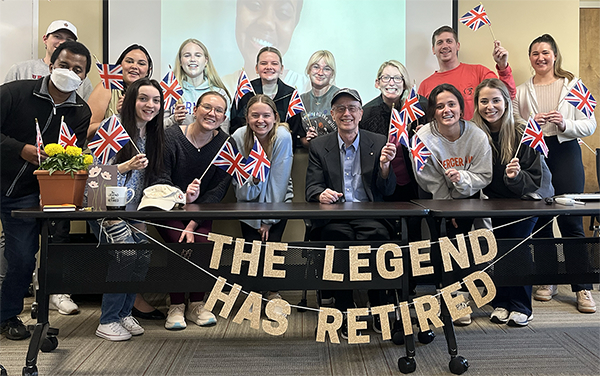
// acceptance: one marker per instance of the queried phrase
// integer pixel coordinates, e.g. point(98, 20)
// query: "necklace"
point(194, 140)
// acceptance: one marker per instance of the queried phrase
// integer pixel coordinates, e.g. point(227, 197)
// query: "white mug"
point(116, 197)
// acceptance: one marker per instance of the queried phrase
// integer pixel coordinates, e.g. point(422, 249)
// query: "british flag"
point(39, 141)
point(475, 18)
point(230, 160)
point(243, 87)
point(111, 75)
point(534, 137)
point(296, 106)
point(398, 131)
point(419, 152)
point(109, 139)
point(582, 99)
point(257, 164)
point(411, 108)
point(66, 137)
point(172, 91)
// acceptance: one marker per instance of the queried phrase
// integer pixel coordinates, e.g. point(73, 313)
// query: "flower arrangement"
point(69, 159)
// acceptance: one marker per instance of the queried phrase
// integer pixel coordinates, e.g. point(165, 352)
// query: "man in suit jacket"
point(350, 165)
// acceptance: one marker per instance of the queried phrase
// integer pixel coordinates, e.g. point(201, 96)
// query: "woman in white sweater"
point(543, 97)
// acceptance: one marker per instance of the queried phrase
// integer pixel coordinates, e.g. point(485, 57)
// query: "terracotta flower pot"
point(60, 188)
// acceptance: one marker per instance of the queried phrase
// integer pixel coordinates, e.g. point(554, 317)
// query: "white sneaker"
point(131, 324)
point(585, 302)
point(545, 293)
point(63, 304)
point(175, 317)
point(200, 315)
point(466, 319)
point(499, 316)
point(519, 319)
point(113, 332)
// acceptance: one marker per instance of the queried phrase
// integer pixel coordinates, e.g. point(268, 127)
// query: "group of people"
point(473, 126)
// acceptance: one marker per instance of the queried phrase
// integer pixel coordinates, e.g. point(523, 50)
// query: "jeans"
point(21, 245)
point(126, 265)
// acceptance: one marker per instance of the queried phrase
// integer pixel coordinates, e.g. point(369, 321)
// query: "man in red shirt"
point(465, 77)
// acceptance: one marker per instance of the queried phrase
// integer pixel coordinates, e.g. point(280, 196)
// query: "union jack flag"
point(296, 106)
point(582, 99)
point(534, 137)
point(257, 164)
point(398, 131)
point(66, 137)
point(109, 139)
point(419, 152)
point(39, 141)
point(111, 75)
point(411, 108)
point(172, 91)
point(475, 18)
point(243, 87)
point(230, 160)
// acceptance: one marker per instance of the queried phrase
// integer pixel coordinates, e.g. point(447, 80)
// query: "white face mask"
point(65, 80)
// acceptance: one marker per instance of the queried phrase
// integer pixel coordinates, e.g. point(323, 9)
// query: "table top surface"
point(296, 210)
point(504, 208)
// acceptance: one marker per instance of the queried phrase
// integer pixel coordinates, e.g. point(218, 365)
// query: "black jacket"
point(282, 101)
point(21, 103)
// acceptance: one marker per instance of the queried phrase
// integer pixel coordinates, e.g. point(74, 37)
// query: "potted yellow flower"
point(63, 174)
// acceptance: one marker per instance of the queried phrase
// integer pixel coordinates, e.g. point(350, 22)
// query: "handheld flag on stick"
point(39, 142)
point(534, 137)
point(66, 137)
point(581, 142)
point(257, 164)
point(109, 139)
point(171, 89)
point(411, 108)
point(582, 99)
point(243, 87)
point(476, 18)
point(296, 106)
point(398, 131)
point(230, 160)
point(419, 152)
point(111, 75)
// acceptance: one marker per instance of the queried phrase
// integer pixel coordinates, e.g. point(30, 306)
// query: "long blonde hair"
point(210, 72)
point(508, 128)
point(249, 136)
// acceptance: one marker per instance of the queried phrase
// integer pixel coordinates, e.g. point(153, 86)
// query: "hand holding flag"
point(172, 91)
point(257, 164)
point(582, 99)
point(243, 87)
point(109, 139)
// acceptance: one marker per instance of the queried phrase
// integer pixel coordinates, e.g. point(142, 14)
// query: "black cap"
point(346, 91)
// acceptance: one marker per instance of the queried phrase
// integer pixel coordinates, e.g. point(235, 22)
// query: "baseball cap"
point(61, 25)
point(346, 91)
point(162, 196)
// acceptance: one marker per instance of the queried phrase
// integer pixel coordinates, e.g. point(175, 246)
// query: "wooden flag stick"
point(213, 160)
point(588, 146)
point(390, 127)
point(95, 58)
point(492, 31)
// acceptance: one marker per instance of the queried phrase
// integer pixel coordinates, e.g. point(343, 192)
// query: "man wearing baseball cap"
point(58, 32)
point(350, 165)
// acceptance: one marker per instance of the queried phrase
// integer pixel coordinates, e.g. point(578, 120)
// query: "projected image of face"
point(261, 23)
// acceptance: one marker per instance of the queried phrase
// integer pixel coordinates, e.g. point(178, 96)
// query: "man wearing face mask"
point(47, 99)
point(58, 32)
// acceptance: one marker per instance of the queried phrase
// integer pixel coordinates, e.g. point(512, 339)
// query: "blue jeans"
point(21, 245)
point(126, 265)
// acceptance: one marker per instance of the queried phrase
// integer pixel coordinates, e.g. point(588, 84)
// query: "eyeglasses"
point(386, 79)
point(326, 69)
point(208, 108)
point(342, 109)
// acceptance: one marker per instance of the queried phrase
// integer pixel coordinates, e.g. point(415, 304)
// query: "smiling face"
point(446, 47)
point(147, 104)
point(491, 107)
point(320, 74)
point(347, 113)
point(447, 109)
point(193, 60)
point(269, 67)
point(135, 66)
point(261, 23)
point(210, 113)
point(261, 119)
point(54, 40)
point(393, 88)
point(542, 58)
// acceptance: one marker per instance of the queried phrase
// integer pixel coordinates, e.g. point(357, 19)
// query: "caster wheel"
point(426, 337)
point(34, 310)
point(30, 371)
point(458, 365)
point(49, 344)
point(407, 365)
point(398, 337)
